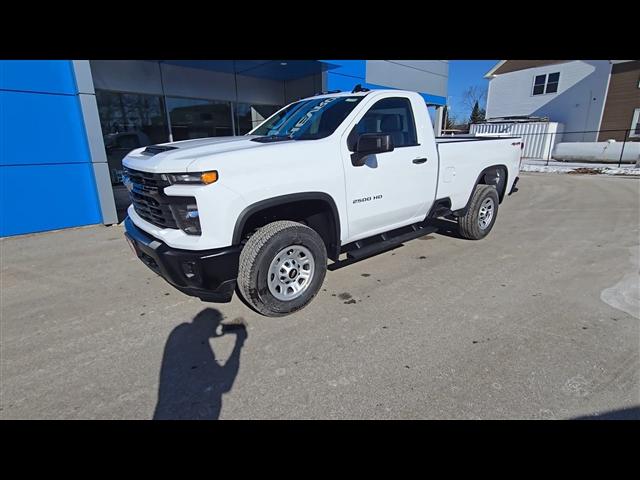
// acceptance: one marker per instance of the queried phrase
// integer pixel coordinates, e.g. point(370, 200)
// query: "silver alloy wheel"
point(486, 213)
point(290, 272)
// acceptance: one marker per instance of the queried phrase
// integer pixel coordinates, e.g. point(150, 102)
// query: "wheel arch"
point(487, 177)
point(306, 205)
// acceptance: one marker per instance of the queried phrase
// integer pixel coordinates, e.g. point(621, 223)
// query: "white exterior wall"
point(578, 103)
point(418, 75)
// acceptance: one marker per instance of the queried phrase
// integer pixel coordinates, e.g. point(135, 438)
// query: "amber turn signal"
point(209, 177)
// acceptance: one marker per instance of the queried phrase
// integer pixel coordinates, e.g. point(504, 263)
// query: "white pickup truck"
point(336, 174)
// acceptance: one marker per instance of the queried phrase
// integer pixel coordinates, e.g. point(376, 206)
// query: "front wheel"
point(282, 267)
point(481, 215)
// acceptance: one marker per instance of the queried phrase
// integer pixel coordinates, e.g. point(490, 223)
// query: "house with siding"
point(595, 100)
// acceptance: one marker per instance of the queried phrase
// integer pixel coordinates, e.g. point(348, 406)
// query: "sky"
point(464, 74)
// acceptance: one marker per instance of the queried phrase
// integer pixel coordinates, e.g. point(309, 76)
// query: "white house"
point(587, 96)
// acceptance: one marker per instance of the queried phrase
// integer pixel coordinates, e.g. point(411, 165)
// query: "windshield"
point(307, 119)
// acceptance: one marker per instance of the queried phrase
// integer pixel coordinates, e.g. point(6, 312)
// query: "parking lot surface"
point(538, 320)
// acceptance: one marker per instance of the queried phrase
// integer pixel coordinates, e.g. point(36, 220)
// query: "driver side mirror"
point(370, 144)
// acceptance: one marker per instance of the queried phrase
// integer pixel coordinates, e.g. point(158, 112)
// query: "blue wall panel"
point(46, 174)
point(341, 82)
point(50, 76)
point(351, 68)
point(347, 75)
point(35, 198)
point(40, 128)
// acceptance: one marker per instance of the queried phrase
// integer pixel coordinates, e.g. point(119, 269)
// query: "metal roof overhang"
point(271, 69)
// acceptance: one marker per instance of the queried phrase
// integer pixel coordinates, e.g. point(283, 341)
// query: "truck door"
point(394, 188)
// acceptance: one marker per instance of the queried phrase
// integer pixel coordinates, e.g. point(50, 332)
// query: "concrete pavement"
point(513, 326)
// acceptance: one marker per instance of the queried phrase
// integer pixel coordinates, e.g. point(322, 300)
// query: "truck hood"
point(177, 157)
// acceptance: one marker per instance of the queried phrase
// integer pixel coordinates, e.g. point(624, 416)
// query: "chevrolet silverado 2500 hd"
point(342, 173)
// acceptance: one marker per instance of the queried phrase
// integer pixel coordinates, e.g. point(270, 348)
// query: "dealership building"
point(65, 125)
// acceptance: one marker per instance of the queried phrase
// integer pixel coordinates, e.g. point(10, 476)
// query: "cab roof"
point(356, 94)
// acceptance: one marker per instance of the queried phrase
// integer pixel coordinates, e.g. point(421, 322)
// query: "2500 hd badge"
point(367, 199)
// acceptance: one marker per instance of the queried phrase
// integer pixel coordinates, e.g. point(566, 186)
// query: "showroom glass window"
point(197, 118)
point(249, 116)
point(129, 121)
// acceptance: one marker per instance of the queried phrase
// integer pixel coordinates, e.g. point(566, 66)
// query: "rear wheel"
point(481, 215)
point(282, 267)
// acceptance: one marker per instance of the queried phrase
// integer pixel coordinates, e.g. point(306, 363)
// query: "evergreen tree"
point(449, 119)
point(477, 114)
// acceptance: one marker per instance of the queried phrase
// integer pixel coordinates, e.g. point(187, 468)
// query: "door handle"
point(420, 160)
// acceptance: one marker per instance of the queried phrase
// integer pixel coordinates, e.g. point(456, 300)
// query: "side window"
point(635, 124)
point(393, 116)
point(546, 83)
point(552, 82)
point(538, 84)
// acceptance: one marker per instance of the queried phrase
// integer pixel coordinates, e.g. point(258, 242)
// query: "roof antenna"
point(359, 88)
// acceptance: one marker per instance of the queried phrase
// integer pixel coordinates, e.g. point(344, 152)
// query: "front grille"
point(148, 198)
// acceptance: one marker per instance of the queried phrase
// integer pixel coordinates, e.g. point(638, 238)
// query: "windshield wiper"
point(271, 138)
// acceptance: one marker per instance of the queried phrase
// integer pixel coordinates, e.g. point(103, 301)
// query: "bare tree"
point(449, 118)
point(454, 121)
point(473, 94)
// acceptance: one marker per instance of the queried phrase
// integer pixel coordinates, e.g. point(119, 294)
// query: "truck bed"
point(462, 159)
point(468, 138)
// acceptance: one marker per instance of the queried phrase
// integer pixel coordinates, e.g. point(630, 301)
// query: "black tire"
point(469, 224)
point(255, 260)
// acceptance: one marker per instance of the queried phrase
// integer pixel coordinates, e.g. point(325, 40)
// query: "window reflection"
point(195, 118)
point(249, 116)
point(392, 116)
point(133, 120)
point(129, 121)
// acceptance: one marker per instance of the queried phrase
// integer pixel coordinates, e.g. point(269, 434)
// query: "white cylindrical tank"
point(598, 152)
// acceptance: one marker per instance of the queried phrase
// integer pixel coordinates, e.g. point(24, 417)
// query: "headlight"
point(187, 216)
point(203, 178)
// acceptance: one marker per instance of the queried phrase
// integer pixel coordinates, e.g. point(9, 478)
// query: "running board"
point(386, 241)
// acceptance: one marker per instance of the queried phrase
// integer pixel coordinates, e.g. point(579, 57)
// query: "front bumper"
point(207, 274)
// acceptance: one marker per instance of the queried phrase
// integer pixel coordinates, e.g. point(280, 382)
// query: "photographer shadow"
point(192, 381)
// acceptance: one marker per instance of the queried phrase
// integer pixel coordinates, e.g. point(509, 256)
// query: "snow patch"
point(569, 169)
point(625, 295)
